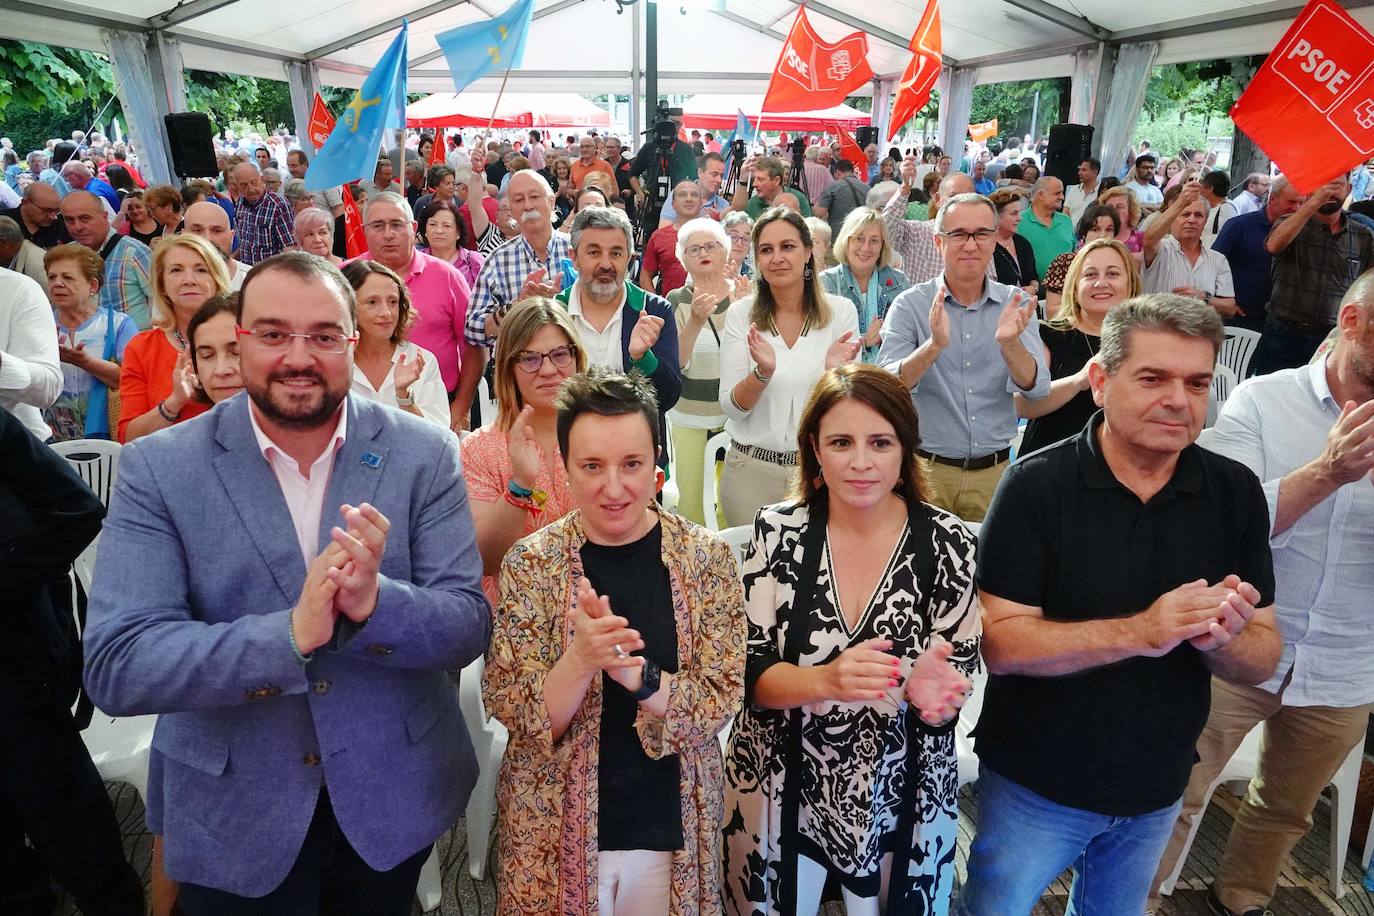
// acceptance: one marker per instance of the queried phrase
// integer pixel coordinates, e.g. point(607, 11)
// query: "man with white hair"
point(210, 222)
point(1253, 195)
point(78, 175)
point(528, 265)
point(438, 292)
point(816, 175)
point(262, 220)
point(1177, 261)
point(126, 287)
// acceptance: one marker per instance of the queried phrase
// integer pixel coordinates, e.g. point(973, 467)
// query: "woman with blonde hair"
point(1127, 209)
point(866, 274)
point(774, 345)
point(1102, 275)
point(863, 634)
point(514, 470)
point(157, 383)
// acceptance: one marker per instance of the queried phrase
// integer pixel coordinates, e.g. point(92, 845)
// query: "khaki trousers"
point(689, 470)
point(748, 484)
point(1302, 748)
point(965, 493)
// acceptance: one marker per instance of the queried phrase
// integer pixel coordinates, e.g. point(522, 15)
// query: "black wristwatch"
point(649, 686)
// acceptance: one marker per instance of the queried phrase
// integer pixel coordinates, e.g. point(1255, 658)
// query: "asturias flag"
point(352, 148)
point(474, 50)
point(743, 131)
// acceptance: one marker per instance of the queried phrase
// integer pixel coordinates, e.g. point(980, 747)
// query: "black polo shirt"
point(1064, 535)
point(46, 237)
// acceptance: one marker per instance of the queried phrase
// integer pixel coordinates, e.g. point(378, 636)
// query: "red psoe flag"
point(355, 241)
point(1310, 106)
point(811, 73)
point(321, 123)
point(913, 91)
point(440, 148)
point(850, 150)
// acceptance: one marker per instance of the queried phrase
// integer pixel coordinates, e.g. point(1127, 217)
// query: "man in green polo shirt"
point(1049, 232)
point(768, 184)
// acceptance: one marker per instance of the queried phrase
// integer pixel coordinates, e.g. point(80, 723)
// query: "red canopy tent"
point(720, 112)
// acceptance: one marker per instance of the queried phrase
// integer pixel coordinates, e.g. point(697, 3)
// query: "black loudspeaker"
point(1070, 144)
point(865, 135)
point(192, 144)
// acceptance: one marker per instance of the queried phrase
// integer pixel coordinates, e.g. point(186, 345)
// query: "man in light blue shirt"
point(965, 344)
point(1307, 434)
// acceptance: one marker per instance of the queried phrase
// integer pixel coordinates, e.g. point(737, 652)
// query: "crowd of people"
point(965, 408)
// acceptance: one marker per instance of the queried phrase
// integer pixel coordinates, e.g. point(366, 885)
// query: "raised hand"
point(908, 172)
point(72, 353)
point(939, 319)
point(875, 333)
point(1015, 317)
point(184, 383)
point(740, 286)
point(356, 573)
point(537, 285)
point(408, 373)
point(1235, 611)
point(644, 334)
point(523, 449)
point(1349, 452)
point(703, 305)
point(602, 640)
point(842, 351)
point(864, 672)
point(934, 686)
point(761, 351)
point(312, 619)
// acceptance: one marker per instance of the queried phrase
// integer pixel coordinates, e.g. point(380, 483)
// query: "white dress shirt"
point(304, 495)
point(30, 372)
point(1172, 269)
point(772, 423)
point(428, 391)
point(1077, 200)
point(603, 346)
point(1323, 566)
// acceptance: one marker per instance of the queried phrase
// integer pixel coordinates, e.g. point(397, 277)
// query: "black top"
point(1064, 535)
point(1070, 351)
point(47, 237)
point(146, 237)
point(1019, 271)
point(641, 799)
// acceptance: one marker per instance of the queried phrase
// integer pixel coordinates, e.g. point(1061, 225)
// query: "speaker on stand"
point(191, 143)
point(1070, 144)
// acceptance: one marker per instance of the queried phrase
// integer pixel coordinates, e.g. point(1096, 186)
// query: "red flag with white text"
point(1310, 106)
point(913, 90)
point(812, 73)
point(321, 123)
point(355, 241)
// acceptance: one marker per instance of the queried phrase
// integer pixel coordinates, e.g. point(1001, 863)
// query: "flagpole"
point(495, 105)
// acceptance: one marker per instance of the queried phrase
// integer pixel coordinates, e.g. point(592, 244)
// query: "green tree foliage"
point(49, 92)
point(1013, 104)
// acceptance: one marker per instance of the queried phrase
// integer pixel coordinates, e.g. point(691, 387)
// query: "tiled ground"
point(1303, 889)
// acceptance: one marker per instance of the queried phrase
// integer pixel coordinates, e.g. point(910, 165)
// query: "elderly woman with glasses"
point(740, 228)
point(516, 479)
point(866, 275)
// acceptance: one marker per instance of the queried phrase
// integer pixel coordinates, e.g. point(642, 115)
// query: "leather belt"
point(786, 459)
point(969, 464)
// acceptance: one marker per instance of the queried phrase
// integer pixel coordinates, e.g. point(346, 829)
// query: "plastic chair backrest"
point(708, 478)
point(96, 460)
point(1237, 349)
point(738, 539)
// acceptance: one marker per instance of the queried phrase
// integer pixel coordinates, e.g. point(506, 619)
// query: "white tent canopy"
point(721, 112)
point(511, 109)
point(595, 46)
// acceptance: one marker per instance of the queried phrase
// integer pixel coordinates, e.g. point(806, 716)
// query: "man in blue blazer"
point(286, 581)
point(621, 326)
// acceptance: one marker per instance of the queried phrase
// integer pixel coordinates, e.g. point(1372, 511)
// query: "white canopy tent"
point(589, 46)
point(721, 112)
point(510, 109)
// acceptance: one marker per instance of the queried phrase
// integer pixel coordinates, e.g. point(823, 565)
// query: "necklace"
point(180, 340)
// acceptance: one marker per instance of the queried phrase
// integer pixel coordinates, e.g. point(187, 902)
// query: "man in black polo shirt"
point(1119, 570)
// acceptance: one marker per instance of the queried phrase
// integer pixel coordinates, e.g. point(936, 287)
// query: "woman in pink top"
point(514, 471)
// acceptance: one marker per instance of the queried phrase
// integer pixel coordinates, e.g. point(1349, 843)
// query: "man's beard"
point(603, 289)
point(1331, 206)
point(300, 412)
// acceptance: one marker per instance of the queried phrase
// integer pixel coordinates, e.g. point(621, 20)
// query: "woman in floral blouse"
point(617, 656)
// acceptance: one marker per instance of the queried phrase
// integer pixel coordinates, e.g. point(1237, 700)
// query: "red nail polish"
point(892, 683)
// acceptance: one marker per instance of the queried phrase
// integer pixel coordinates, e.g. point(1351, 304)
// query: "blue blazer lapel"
point(358, 468)
point(256, 496)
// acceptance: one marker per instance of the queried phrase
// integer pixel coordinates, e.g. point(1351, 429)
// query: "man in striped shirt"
point(1308, 434)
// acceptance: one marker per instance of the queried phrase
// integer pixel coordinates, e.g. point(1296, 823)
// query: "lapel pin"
point(371, 460)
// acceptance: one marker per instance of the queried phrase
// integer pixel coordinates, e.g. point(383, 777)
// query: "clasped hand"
point(343, 579)
point(602, 640)
point(866, 672)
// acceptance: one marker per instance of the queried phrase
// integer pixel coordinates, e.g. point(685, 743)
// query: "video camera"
point(665, 128)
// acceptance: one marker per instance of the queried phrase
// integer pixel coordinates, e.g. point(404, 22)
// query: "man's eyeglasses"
point(395, 225)
point(531, 362)
point(696, 251)
point(960, 237)
point(321, 342)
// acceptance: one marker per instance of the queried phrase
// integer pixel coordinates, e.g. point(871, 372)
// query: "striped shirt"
point(1275, 424)
point(503, 276)
point(126, 286)
point(262, 227)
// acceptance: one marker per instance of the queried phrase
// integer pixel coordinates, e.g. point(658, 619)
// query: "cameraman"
point(662, 140)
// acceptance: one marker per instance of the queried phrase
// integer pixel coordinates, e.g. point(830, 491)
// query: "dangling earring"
point(807, 272)
point(819, 480)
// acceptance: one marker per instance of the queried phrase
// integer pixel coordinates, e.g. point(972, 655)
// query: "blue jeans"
point(1025, 841)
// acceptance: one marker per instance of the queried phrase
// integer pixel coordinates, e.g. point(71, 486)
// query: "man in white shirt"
point(1255, 193)
point(1080, 196)
point(1215, 185)
point(1176, 261)
point(210, 222)
point(30, 374)
point(1300, 430)
point(1142, 185)
point(330, 199)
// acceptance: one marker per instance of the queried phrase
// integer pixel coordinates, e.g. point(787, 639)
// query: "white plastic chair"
point(738, 539)
point(708, 478)
point(963, 737)
point(1242, 767)
point(489, 739)
point(429, 890)
point(1224, 381)
point(96, 460)
point(120, 748)
point(1237, 349)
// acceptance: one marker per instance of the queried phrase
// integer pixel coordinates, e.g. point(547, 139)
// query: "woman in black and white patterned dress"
point(863, 630)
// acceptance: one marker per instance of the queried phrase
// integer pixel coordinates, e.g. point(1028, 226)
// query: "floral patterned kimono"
point(856, 782)
point(547, 791)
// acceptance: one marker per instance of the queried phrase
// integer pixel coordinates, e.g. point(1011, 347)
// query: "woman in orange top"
point(157, 382)
point(514, 471)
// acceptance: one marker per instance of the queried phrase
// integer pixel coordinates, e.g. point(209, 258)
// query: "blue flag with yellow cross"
point(476, 49)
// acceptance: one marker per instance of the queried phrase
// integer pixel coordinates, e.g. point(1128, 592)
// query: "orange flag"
point(440, 150)
point(811, 73)
point(919, 77)
point(355, 242)
point(851, 151)
point(321, 123)
point(981, 132)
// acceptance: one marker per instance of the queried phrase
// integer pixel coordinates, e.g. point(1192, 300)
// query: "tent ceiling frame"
point(382, 28)
point(187, 10)
point(1062, 18)
point(538, 14)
